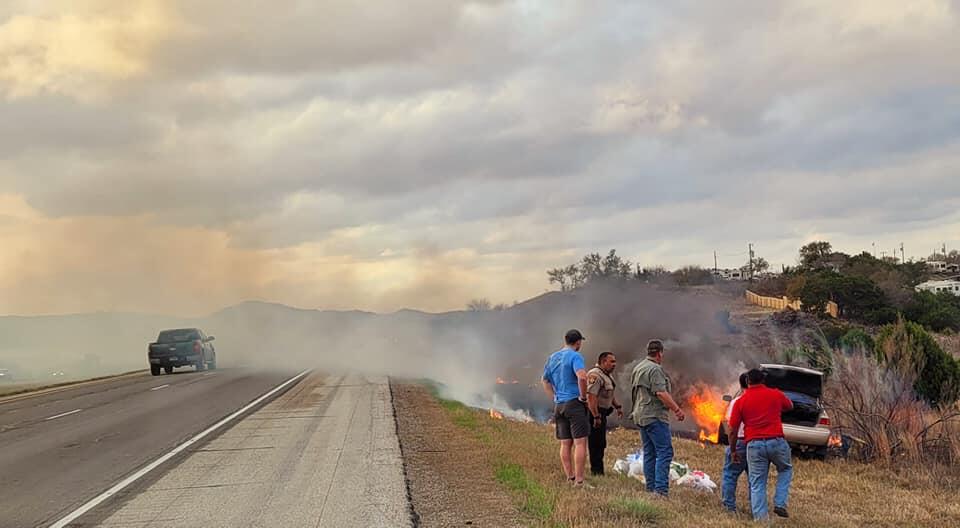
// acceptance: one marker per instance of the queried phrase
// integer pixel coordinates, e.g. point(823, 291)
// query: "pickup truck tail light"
point(824, 421)
point(196, 347)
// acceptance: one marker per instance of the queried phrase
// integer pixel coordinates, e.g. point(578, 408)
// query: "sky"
point(179, 156)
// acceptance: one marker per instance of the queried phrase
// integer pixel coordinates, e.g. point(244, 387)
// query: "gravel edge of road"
point(414, 516)
point(450, 471)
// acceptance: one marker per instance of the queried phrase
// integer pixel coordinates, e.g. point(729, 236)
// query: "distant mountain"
point(466, 348)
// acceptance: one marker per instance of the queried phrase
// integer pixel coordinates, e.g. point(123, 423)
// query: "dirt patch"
point(451, 476)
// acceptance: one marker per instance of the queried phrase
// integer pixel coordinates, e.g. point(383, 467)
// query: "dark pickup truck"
point(184, 347)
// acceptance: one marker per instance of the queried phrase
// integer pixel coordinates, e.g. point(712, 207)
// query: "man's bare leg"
point(565, 448)
point(579, 458)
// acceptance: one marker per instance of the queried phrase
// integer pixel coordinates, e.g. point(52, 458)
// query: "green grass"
point(636, 510)
point(536, 500)
point(461, 415)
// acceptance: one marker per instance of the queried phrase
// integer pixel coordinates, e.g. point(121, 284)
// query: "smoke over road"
point(464, 353)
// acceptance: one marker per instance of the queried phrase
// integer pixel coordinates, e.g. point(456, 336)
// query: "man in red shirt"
point(759, 410)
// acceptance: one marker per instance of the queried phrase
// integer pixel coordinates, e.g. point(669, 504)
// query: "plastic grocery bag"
point(678, 470)
point(697, 480)
point(621, 467)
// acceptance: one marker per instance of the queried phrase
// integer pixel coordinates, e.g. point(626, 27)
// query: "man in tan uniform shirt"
point(601, 401)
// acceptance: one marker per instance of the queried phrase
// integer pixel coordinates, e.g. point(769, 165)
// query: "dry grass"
point(836, 493)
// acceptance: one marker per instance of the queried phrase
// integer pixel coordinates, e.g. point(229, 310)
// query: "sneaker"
point(782, 512)
point(584, 485)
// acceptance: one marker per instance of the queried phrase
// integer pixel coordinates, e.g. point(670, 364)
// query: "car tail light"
point(196, 347)
point(825, 421)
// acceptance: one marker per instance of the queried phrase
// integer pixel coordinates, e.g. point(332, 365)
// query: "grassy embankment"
point(835, 493)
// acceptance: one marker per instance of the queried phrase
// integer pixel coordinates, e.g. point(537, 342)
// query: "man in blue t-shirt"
point(565, 380)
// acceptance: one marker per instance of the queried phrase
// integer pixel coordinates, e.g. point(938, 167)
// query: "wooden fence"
point(784, 303)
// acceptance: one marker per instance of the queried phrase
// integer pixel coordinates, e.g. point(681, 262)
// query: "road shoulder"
point(323, 454)
point(449, 472)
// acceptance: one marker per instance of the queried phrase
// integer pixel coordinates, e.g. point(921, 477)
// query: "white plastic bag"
point(621, 467)
point(697, 480)
point(678, 470)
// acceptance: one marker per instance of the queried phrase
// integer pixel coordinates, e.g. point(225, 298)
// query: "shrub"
point(877, 408)
point(856, 339)
point(907, 348)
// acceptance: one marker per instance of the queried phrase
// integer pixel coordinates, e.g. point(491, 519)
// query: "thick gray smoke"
point(464, 353)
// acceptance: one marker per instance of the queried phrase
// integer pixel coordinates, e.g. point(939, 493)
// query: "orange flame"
point(501, 381)
point(496, 415)
point(706, 404)
point(835, 440)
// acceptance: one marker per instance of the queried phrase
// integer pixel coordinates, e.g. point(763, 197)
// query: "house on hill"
point(937, 286)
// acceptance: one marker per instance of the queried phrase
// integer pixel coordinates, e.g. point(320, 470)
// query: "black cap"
point(573, 336)
point(654, 346)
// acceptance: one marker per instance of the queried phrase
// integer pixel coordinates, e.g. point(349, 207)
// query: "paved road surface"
point(58, 450)
point(325, 454)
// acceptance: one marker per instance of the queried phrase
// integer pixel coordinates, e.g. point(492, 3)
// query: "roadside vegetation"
point(833, 493)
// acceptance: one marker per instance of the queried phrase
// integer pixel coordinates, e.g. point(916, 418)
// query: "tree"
point(593, 266)
point(857, 339)
point(559, 276)
point(616, 267)
point(908, 348)
point(857, 298)
point(479, 305)
point(651, 273)
point(692, 276)
point(760, 265)
point(936, 311)
point(951, 257)
point(813, 253)
point(574, 277)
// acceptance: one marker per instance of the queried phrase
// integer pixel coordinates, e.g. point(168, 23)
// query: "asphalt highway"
point(60, 449)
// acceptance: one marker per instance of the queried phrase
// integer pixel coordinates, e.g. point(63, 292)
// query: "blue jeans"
point(760, 454)
point(731, 474)
point(657, 455)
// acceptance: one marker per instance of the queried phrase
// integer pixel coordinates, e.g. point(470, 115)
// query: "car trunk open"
point(804, 390)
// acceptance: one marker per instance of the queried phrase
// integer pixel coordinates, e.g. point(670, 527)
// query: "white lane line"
point(210, 374)
point(75, 411)
point(160, 387)
point(119, 486)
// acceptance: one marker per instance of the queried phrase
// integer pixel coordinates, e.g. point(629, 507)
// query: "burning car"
point(806, 427)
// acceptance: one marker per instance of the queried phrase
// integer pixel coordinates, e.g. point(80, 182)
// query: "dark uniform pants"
point(598, 442)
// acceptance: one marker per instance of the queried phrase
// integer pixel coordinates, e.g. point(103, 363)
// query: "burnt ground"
point(449, 473)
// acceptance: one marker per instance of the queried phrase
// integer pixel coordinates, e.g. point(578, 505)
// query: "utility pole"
point(944, 251)
point(714, 262)
point(903, 258)
point(750, 251)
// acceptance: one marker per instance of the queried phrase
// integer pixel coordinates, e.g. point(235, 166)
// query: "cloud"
point(412, 149)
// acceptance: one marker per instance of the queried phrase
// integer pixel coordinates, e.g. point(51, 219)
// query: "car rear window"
point(178, 336)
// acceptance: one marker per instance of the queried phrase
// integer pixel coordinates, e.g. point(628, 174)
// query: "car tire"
point(819, 453)
point(155, 370)
point(168, 370)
